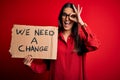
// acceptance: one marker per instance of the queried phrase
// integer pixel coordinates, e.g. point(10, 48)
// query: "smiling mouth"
point(67, 22)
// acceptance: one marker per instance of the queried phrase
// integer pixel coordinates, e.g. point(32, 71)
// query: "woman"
point(74, 40)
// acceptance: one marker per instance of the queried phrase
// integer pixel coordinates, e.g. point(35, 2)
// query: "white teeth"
point(67, 22)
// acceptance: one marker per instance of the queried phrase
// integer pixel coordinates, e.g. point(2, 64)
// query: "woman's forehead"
point(68, 10)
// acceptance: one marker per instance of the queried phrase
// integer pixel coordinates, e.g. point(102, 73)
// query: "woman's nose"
point(67, 18)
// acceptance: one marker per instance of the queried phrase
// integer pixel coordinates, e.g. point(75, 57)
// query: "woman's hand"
point(28, 60)
point(76, 16)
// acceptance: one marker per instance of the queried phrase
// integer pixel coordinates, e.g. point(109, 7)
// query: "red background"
point(102, 16)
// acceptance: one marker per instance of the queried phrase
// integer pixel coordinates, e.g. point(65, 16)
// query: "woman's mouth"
point(67, 23)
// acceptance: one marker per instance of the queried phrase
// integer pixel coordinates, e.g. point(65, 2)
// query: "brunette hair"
point(79, 44)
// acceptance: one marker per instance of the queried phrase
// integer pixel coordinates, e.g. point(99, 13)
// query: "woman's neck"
point(66, 34)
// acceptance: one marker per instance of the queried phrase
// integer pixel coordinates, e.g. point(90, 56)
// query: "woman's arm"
point(90, 40)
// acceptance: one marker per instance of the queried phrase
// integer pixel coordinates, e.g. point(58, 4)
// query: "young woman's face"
point(67, 23)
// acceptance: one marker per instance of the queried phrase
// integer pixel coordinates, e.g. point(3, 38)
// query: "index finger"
point(74, 8)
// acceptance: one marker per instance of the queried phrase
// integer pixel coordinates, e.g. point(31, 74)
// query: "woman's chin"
point(67, 29)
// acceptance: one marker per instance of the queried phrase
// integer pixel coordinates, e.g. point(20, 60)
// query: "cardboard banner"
point(38, 41)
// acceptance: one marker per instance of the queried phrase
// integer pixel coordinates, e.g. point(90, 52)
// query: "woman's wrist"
point(82, 24)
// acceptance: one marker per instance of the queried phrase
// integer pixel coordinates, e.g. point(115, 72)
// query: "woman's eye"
point(64, 14)
point(73, 16)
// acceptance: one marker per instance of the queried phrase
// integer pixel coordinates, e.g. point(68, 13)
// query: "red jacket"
point(68, 66)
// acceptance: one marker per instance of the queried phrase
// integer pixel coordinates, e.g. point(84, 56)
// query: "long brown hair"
point(79, 43)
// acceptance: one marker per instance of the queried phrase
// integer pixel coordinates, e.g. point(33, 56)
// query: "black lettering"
point(41, 32)
point(28, 48)
point(27, 31)
point(46, 32)
point(51, 33)
point(34, 40)
point(37, 32)
point(24, 31)
point(20, 31)
point(46, 48)
point(20, 48)
point(32, 48)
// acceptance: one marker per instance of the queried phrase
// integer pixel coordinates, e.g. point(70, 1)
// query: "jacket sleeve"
point(38, 66)
point(90, 41)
